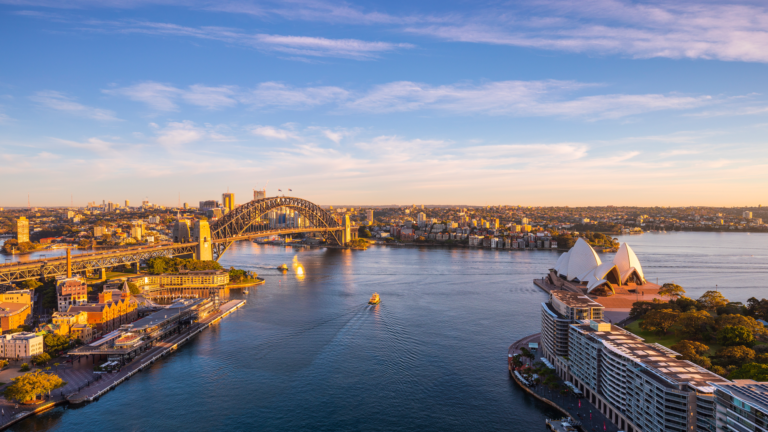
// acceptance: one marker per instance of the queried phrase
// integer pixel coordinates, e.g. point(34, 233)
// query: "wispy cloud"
point(512, 98)
point(273, 133)
point(289, 44)
point(721, 31)
point(177, 134)
point(60, 102)
point(519, 98)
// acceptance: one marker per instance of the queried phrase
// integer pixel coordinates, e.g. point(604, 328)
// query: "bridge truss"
point(51, 267)
point(246, 222)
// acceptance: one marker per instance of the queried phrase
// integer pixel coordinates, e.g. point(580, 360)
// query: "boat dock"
point(164, 348)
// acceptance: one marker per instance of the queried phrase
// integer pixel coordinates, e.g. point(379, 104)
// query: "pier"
point(84, 386)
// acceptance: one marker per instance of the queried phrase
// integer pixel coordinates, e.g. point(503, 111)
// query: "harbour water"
point(308, 353)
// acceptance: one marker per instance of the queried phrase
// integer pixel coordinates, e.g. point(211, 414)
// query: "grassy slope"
point(667, 340)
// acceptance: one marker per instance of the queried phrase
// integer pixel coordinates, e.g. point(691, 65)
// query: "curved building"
point(582, 265)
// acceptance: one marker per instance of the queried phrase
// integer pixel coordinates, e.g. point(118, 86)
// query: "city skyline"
point(549, 103)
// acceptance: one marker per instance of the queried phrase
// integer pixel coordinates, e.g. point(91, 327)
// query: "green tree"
point(41, 359)
point(693, 352)
point(692, 323)
point(712, 300)
point(735, 335)
point(659, 320)
point(753, 371)
point(734, 355)
point(29, 386)
point(30, 284)
point(671, 290)
point(135, 290)
point(55, 343)
point(686, 303)
point(24, 367)
point(757, 329)
point(718, 370)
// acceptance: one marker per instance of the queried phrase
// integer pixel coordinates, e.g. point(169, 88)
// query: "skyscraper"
point(369, 215)
point(228, 199)
point(22, 230)
point(259, 194)
point(127, 203)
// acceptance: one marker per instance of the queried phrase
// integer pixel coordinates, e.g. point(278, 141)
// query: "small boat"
point(283, 267)
point(374, 299)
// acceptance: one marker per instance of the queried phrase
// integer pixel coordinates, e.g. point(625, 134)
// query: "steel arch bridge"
point(245, 222)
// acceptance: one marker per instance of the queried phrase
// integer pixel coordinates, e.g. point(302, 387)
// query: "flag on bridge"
point(290, 190)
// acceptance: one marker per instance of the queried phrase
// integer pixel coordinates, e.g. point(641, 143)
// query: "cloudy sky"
point(550, 102)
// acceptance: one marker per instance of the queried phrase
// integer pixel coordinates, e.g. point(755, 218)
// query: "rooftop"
point(752, 392)
point(8, 309)
point(157, 318)
point(658, 359)
point(574, 300)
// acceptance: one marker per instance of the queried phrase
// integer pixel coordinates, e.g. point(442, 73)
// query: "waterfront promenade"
point(579, 408)
point(83, 385)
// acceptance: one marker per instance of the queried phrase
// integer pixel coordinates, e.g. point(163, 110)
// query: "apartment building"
point(741, 406)
point(71, 292)
point(639, 386)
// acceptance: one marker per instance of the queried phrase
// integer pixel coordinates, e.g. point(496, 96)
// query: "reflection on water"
point(311, 354)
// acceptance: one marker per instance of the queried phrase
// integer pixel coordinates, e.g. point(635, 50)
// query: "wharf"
point(163, 348)
point(92, 389)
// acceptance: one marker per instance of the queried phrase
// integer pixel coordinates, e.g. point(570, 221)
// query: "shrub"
point(24, 367)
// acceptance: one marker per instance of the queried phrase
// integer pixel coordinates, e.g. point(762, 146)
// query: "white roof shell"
point(561, 268)
point(627, 261)
point(581, 259)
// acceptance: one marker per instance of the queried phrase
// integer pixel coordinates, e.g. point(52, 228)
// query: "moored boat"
point(283, 267)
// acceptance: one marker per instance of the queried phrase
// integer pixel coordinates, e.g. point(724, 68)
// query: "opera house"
point(580, 269)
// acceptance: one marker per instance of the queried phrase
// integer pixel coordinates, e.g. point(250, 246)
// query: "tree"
point(55, 343)
point(30, 284)
point(735, 335)
point(757, 308)
point(41, 359)
point(28, 386)
point(671, 290)
point(692, 323)
point(690, 348)
point(757, 329)
point(659, 320)
point(753, 371)
point(693, 352)
point(3, 363)
point(24, 367)
point(135, 290)
point(686, 303)
point(761, 358)
point(643, 307)
point(712, 300)
point(718, 370)
point(735, 355)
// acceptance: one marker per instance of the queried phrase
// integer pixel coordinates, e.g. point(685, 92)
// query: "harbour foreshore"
point(89, 391)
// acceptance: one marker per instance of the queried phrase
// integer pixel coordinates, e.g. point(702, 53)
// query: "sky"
point(551, 102)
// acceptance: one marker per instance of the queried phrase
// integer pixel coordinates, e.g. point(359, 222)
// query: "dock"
point(166, 347)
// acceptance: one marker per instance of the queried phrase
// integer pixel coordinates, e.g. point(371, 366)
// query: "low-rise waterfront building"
point(108, 314)
point(20, 346)
point(203, 278)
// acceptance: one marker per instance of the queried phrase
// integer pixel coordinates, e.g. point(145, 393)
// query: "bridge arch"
point(241, 223)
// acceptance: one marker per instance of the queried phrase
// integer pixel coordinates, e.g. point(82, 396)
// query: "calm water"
point(308, 354)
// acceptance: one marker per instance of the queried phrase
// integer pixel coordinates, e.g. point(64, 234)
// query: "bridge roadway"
point(50, 267)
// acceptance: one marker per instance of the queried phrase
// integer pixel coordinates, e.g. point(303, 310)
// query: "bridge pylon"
point(202, 236)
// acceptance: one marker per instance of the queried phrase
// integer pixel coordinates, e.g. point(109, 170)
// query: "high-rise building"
point(137, 231)
point(127, 203)
point(208, 205)
point(259, 194)
point(747, 215)
point(369, 215)
point(228, 200)
point(145, 203)
point(22, 230)
point(186, 206)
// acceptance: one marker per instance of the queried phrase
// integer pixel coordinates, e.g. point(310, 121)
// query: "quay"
point(83, 386)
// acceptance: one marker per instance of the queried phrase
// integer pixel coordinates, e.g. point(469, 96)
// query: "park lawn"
point(666, 340)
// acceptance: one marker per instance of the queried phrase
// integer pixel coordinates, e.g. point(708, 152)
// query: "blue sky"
point(550, 102)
